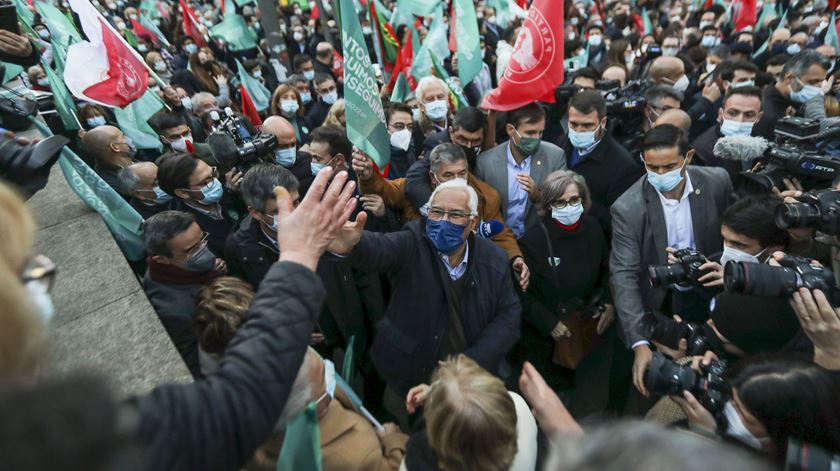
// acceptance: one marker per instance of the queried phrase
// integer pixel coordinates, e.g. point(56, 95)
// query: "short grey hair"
point(625, 446)
point(200, 97)
point(446, 153)
point(800, 63)
point(128, 180)
point(459, 184)
point(159, 229)
point(657, 92)
point(301, 394)
point(556, 183)
point(260, 180)
point(426, 82)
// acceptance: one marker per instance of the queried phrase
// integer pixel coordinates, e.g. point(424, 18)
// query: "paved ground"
point(104, 322)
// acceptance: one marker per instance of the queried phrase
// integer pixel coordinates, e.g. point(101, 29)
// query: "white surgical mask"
point(709, 41)
point(289, 107)
point(731, 254)
point(298, 36)
point(595, 40)
point(181, 143)
point(670, 51)
point(437, 110)
point(748, 83)
point(682, 84)
point(736, 428)
point(568, 216)
point(415, 114)
point(401, 139)
point(186, 103)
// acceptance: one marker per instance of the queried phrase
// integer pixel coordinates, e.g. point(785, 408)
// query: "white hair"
point(459, 184)
point(301, 393)
point(427, 82)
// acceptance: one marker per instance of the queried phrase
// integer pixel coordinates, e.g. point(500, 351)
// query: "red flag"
point(453, 41)
point(747, 16)
point(536, 65)
point(405, 56)
point(640, 25)
point(163, 11)
point(191, 25)
point(127, 75)
point(600, 10)
point(523, 4)
point(248, 108)
point(141, 32)
point(338, 64)
point(315, 13)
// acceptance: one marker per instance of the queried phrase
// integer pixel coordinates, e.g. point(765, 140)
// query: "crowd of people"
point(514, 291)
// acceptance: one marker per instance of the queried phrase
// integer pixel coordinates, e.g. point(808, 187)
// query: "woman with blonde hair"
point(286, 102)
point(24, 289)
point(335, 116)
point(471, 422)
point(220, 311)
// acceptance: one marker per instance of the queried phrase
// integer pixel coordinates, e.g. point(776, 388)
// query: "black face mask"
point(472, 156)
point(621, 20)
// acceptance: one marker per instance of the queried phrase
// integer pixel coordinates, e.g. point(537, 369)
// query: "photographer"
point(674, 205)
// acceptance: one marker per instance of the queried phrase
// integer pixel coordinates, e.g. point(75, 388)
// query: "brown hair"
point(221, 310)
point(555, 184)
point(470, 418)
point(203, 75)
point(336, 110)
point(280, 91)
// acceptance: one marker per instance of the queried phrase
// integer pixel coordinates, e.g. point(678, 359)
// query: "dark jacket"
point(218, 229)
point(704, 155)
point(217, 423)
point(441, 137)
point(146, 211)
point(302, 170)
point(401, 161)
point(609, 171)
point(410, 337)
point(317, 114)
point(773, 107)
point(703, 113)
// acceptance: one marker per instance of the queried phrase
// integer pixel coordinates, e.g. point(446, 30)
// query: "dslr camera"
point(816, 209)
point(663, 376)
point(234, 146)
point(760, 279)
point(669, 332)
point(685, 272)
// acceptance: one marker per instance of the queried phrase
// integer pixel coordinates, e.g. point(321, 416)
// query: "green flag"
point(466, 33)
point(122, 220)
point(831, 34)
point(11, 71)
point(235, 32)
point(349, 367)
point(242, 3)
point(62, 99)
point(149, 24)
point(418, 7)
point(133, 120)
point(436, 42)
point(130, 38)
point(149, 8)
point(302, 442)
point(59, 56)
point(363, 109)
point(400, 91)
point(260, 95)
point(503, 14)
point(60, 28)
point(456, 93)
point(648, 26)
point(24, 13)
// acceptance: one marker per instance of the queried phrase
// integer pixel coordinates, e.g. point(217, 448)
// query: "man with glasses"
point(198, 191)
point(593, 153)
point(451, 291)
point(518, 167)
point(400, 126)
point(180, 264)
point(674, 206)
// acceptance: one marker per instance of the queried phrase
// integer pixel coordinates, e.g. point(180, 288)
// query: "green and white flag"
point(436, 42)
point(763, 47)
point(133, 120)
point(62, 99)
point(235, 32)
point(59, 56)
point(149, 24)
point(24, 13)
point(260, 95)
point(469, 48)
point(302, 443)
point(400, 91)
point(456, 93)
point(61, 29)
point(363, 109)
point(418, 7)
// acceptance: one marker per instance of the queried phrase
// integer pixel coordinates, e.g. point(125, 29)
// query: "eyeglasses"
point(455, 217)
point(574, 201)
point(457, 139)
point(41, 269)
point(214, 174)
point(195, 249)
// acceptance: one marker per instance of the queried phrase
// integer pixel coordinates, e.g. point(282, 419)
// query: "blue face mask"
point(445, 236)
point(305, 97)
point(286, 157)
point(96, 121)
point(807, 93)
point(667, 181)
point(568, 216)
point(736, 128)
point(436, 110)
point(330, 98)
point(212, 192)
point(309, 75)
point(315, 167)
point(161, 197)
point(582, 140)
point(191, 48)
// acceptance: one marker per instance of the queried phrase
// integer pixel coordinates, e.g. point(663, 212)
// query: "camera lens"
point(797, 215)
point(759, 279)
point(663, 376)
point(663, 275)
point(668, 332)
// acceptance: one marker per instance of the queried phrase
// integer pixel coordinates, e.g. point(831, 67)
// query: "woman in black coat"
point(568, 278)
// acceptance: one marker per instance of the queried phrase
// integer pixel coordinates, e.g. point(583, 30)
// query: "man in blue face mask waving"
point(674, 206)
point(452, 292)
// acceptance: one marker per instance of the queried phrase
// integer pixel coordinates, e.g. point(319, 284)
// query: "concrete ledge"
point(104, 322)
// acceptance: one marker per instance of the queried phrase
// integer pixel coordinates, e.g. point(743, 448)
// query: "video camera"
point(234, 146)
point(760, 279)
point(663, 376)
point(685, 272)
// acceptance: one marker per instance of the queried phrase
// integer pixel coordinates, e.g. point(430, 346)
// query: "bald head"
point(324, 52)
point(281, 129)
point(666, 67)
point(827, 50)
point(675, 117)
point(780, 35)
point(101, 143)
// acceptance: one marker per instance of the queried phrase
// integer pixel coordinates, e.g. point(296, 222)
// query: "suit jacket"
point(492, 168)
point(640, 238)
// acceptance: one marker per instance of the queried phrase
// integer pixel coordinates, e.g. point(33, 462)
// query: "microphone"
point(740, 148)
point(488, 229)
point(224, 149)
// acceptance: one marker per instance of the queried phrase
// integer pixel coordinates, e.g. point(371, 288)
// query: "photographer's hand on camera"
point(674, 354)
point(233, 179)
point(640, 363)
point(713, 275)
point(698, 416)
point(705, 360)
point(821, 323)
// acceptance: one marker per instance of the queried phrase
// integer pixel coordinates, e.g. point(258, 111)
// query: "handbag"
point(15, 111)
point(569, 352)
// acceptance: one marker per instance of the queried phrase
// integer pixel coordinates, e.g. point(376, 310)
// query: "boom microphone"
point(224, 149)
point(740, 148)
point(488, 229)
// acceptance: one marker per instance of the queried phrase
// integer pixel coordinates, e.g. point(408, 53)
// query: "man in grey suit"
point(517, 168)
point(675, 206)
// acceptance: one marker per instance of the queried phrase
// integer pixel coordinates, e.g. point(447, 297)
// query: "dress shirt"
point(517, 196)
point(457, 272)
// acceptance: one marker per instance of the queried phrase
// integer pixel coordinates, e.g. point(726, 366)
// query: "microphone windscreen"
point(224, 149)
point(488, 229)
point(740, 148)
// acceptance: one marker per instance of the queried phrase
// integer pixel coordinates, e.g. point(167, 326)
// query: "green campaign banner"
point(133, 120)
point(235, 32)
point(469, 48)
point(61, 98)
point(365, 116)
